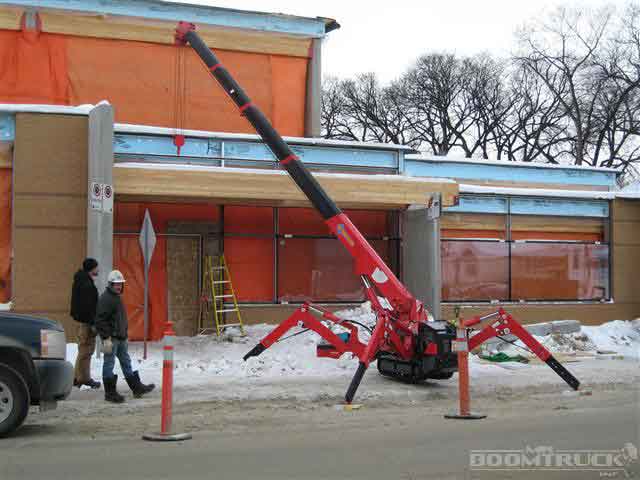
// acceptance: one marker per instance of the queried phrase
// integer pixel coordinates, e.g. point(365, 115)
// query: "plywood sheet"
point(44, 263)
point(183, 255)
point(50, 148)
point(626, 233)
point(626, 210)
point(43, 211)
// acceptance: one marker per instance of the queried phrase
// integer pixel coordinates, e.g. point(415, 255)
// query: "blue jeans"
point(120, 350)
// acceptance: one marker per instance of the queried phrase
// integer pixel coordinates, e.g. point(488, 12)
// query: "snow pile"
point(199, 360)
point(619, 336)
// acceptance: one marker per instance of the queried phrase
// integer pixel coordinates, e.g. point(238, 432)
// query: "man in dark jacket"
point(113, 327)
point(84, 298)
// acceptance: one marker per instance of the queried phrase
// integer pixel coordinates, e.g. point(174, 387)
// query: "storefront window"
point(524, 257)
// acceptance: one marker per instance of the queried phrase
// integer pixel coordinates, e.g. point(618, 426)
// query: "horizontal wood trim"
point(251, 186)
point(157, 31)
point(6, 154)
point(556, 224)
point(472, 221)
point(10, 18)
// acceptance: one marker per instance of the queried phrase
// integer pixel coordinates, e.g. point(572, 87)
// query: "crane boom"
point(367, 260)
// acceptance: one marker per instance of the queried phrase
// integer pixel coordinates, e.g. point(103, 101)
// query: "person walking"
point(113, 328)
point(84, 298)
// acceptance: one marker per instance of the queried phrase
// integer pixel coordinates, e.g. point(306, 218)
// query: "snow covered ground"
point(207, 365)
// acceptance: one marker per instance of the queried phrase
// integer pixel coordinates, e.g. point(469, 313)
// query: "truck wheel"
point(14, 400)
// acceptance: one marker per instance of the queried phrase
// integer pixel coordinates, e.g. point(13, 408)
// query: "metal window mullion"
point(509, 240)
point(276, 217)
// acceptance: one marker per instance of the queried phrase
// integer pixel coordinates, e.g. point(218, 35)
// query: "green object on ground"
point(503, 357)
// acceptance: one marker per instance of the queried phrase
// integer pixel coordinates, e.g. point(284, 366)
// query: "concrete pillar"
point(100, 222)
point(421, 254)
point(312, 114)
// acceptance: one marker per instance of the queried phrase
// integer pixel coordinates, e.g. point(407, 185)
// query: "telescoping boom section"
point(405, 343)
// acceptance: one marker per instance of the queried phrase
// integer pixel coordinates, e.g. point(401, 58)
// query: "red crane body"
point(404, 341)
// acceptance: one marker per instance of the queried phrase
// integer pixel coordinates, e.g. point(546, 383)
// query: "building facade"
point(546, 242)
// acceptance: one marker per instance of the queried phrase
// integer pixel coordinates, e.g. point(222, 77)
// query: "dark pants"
point(86, 346)
point(120, 350)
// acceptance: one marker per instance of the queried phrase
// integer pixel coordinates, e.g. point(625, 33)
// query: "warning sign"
point(95, 196)
point(107, 198)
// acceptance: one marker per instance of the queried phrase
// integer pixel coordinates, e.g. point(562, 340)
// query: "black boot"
point(92, 383)
point(137, 387)
point(110, 392)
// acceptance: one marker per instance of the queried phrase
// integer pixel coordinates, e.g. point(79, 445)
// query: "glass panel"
point(258, 220)
point(535, 227)
point(372, 223)
point(320, 270)
point(552, 271)
point(475, 271)
point(301, 221)
point(250, 263)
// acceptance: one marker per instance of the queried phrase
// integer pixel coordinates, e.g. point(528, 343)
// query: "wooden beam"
point(157, 31)
point(10, 18)
point(536, 223)
point(6, 155)
point(251, 186)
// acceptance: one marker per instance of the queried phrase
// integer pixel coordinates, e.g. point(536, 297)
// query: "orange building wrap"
point(33, 68)
point(5, 235)
point(150, 84)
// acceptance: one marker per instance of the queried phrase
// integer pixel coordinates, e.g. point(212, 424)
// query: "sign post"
point(147, 244)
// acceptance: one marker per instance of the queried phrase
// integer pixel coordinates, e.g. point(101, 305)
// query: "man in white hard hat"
point(113, 328)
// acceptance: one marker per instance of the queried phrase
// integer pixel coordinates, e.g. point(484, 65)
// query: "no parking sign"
point(95, 196)
point(107, 198)
point(101, 197)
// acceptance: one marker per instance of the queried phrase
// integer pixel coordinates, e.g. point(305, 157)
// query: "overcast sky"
point(385, 37)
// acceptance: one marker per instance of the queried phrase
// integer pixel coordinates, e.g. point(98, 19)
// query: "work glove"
point(107, 346)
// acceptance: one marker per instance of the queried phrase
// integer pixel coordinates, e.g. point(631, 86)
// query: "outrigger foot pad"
point(255, 351)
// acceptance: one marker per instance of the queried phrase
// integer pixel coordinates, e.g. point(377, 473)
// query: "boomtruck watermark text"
point(545, 458)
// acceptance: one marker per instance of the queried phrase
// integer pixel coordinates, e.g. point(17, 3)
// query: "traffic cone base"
point(166, 437)
point(468, 416)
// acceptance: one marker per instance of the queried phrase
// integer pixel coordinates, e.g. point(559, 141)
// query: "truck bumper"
point(55, 378)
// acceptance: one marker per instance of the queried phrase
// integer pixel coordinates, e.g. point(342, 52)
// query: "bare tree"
point(563, 53)
point(486, 89)
point(362, 110)
point(533, 128)
point(435, 107)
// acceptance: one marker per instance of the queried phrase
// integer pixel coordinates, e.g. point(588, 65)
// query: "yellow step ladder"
point(220, 287)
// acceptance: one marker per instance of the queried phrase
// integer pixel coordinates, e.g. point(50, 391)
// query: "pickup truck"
point(33, 367)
